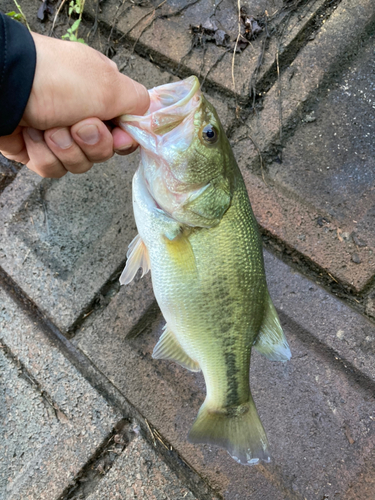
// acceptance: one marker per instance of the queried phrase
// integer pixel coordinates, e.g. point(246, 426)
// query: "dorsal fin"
point(137, 257)
point(169, 347)
point(271, 341)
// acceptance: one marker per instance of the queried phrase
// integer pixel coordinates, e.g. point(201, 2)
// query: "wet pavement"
point(85, 412)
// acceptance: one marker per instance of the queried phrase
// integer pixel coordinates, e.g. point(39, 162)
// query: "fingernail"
point(89, 134)
point(35, 135)
point(129, 148)
point(62, 138)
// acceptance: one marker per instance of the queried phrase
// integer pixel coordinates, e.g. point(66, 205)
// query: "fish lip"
point(181, 102)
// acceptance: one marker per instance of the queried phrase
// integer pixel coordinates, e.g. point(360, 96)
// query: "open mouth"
point(170, 105)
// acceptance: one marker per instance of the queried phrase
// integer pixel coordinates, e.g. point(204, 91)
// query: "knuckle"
point(81, 169)
point(100, 156)
point(49, 166)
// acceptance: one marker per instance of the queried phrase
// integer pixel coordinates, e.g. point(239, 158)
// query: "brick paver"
point(52, 421)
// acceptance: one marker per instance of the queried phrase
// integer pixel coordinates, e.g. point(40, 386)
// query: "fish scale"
point(202, 244)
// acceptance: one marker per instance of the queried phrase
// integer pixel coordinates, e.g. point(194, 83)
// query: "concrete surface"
point(8, 171)
point(295, 174)
point(91, 415)
point(139, 473)
point(52, 421)
point(55, 242)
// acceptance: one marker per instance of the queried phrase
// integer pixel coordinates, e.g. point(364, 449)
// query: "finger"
point(128, 97)
point(123, 144)
point(42, 160)
point(13, 146)
point(61, 143)
point(94, 139)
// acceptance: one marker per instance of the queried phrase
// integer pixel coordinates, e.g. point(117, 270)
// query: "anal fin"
point(137, 257)
point(271, 341)
point(168, 347)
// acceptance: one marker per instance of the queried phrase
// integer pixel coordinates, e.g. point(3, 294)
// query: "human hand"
point(75, 90)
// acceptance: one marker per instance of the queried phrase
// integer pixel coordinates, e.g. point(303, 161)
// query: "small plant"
point(71, 33)
point(75, 7)
point(18, 16)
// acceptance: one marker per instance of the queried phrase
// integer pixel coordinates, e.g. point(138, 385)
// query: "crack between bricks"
point(100, 464)
point(26, 375)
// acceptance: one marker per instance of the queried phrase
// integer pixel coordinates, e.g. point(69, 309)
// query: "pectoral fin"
point(168, 347)
point(271, 341)
point(137, 257)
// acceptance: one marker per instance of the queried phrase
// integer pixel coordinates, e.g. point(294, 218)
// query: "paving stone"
point(318, 416)
point(8, 171)
point(350, 335)
point(52, 420)
point(159, 31)
point(330, 163)
point(140, 473)
point(26, 422)
point(294, 194)
point(319, 239)
point(63, 239)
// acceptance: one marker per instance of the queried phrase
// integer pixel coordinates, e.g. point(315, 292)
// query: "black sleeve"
point(17, 68)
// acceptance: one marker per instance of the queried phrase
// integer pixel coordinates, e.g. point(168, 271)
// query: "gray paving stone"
point(139, 473)
point(62, 239)
point(330, 163)
point(330, 320)
point(167, 36)
point(8, 171)
point(27, 421)
point(50, 427)
point(280, 202)
point(318, 416)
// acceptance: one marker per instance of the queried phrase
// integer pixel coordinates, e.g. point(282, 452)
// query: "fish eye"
point(210, 134)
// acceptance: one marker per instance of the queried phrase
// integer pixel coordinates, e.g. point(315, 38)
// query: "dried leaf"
point(44, 10)
point(221, 38)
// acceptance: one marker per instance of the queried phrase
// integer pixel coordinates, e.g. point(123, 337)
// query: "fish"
point(198, 236)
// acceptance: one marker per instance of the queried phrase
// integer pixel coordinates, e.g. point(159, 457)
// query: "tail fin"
point(238, 430)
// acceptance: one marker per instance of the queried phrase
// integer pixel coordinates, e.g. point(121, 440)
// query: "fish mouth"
point(164, 133)
point(170, 105)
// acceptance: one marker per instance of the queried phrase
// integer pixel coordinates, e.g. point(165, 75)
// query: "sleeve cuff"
point(17, 69)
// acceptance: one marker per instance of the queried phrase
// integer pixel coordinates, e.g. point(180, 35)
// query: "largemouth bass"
point(199, 238)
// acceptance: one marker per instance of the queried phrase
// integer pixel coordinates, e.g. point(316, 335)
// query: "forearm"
point(17, 68)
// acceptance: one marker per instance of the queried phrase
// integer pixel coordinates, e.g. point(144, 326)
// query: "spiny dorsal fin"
point(168, 347)
point(271, 341)
point(137, 256)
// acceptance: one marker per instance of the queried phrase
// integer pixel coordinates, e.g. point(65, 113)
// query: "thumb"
point(73, 82)
point(127, 97)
